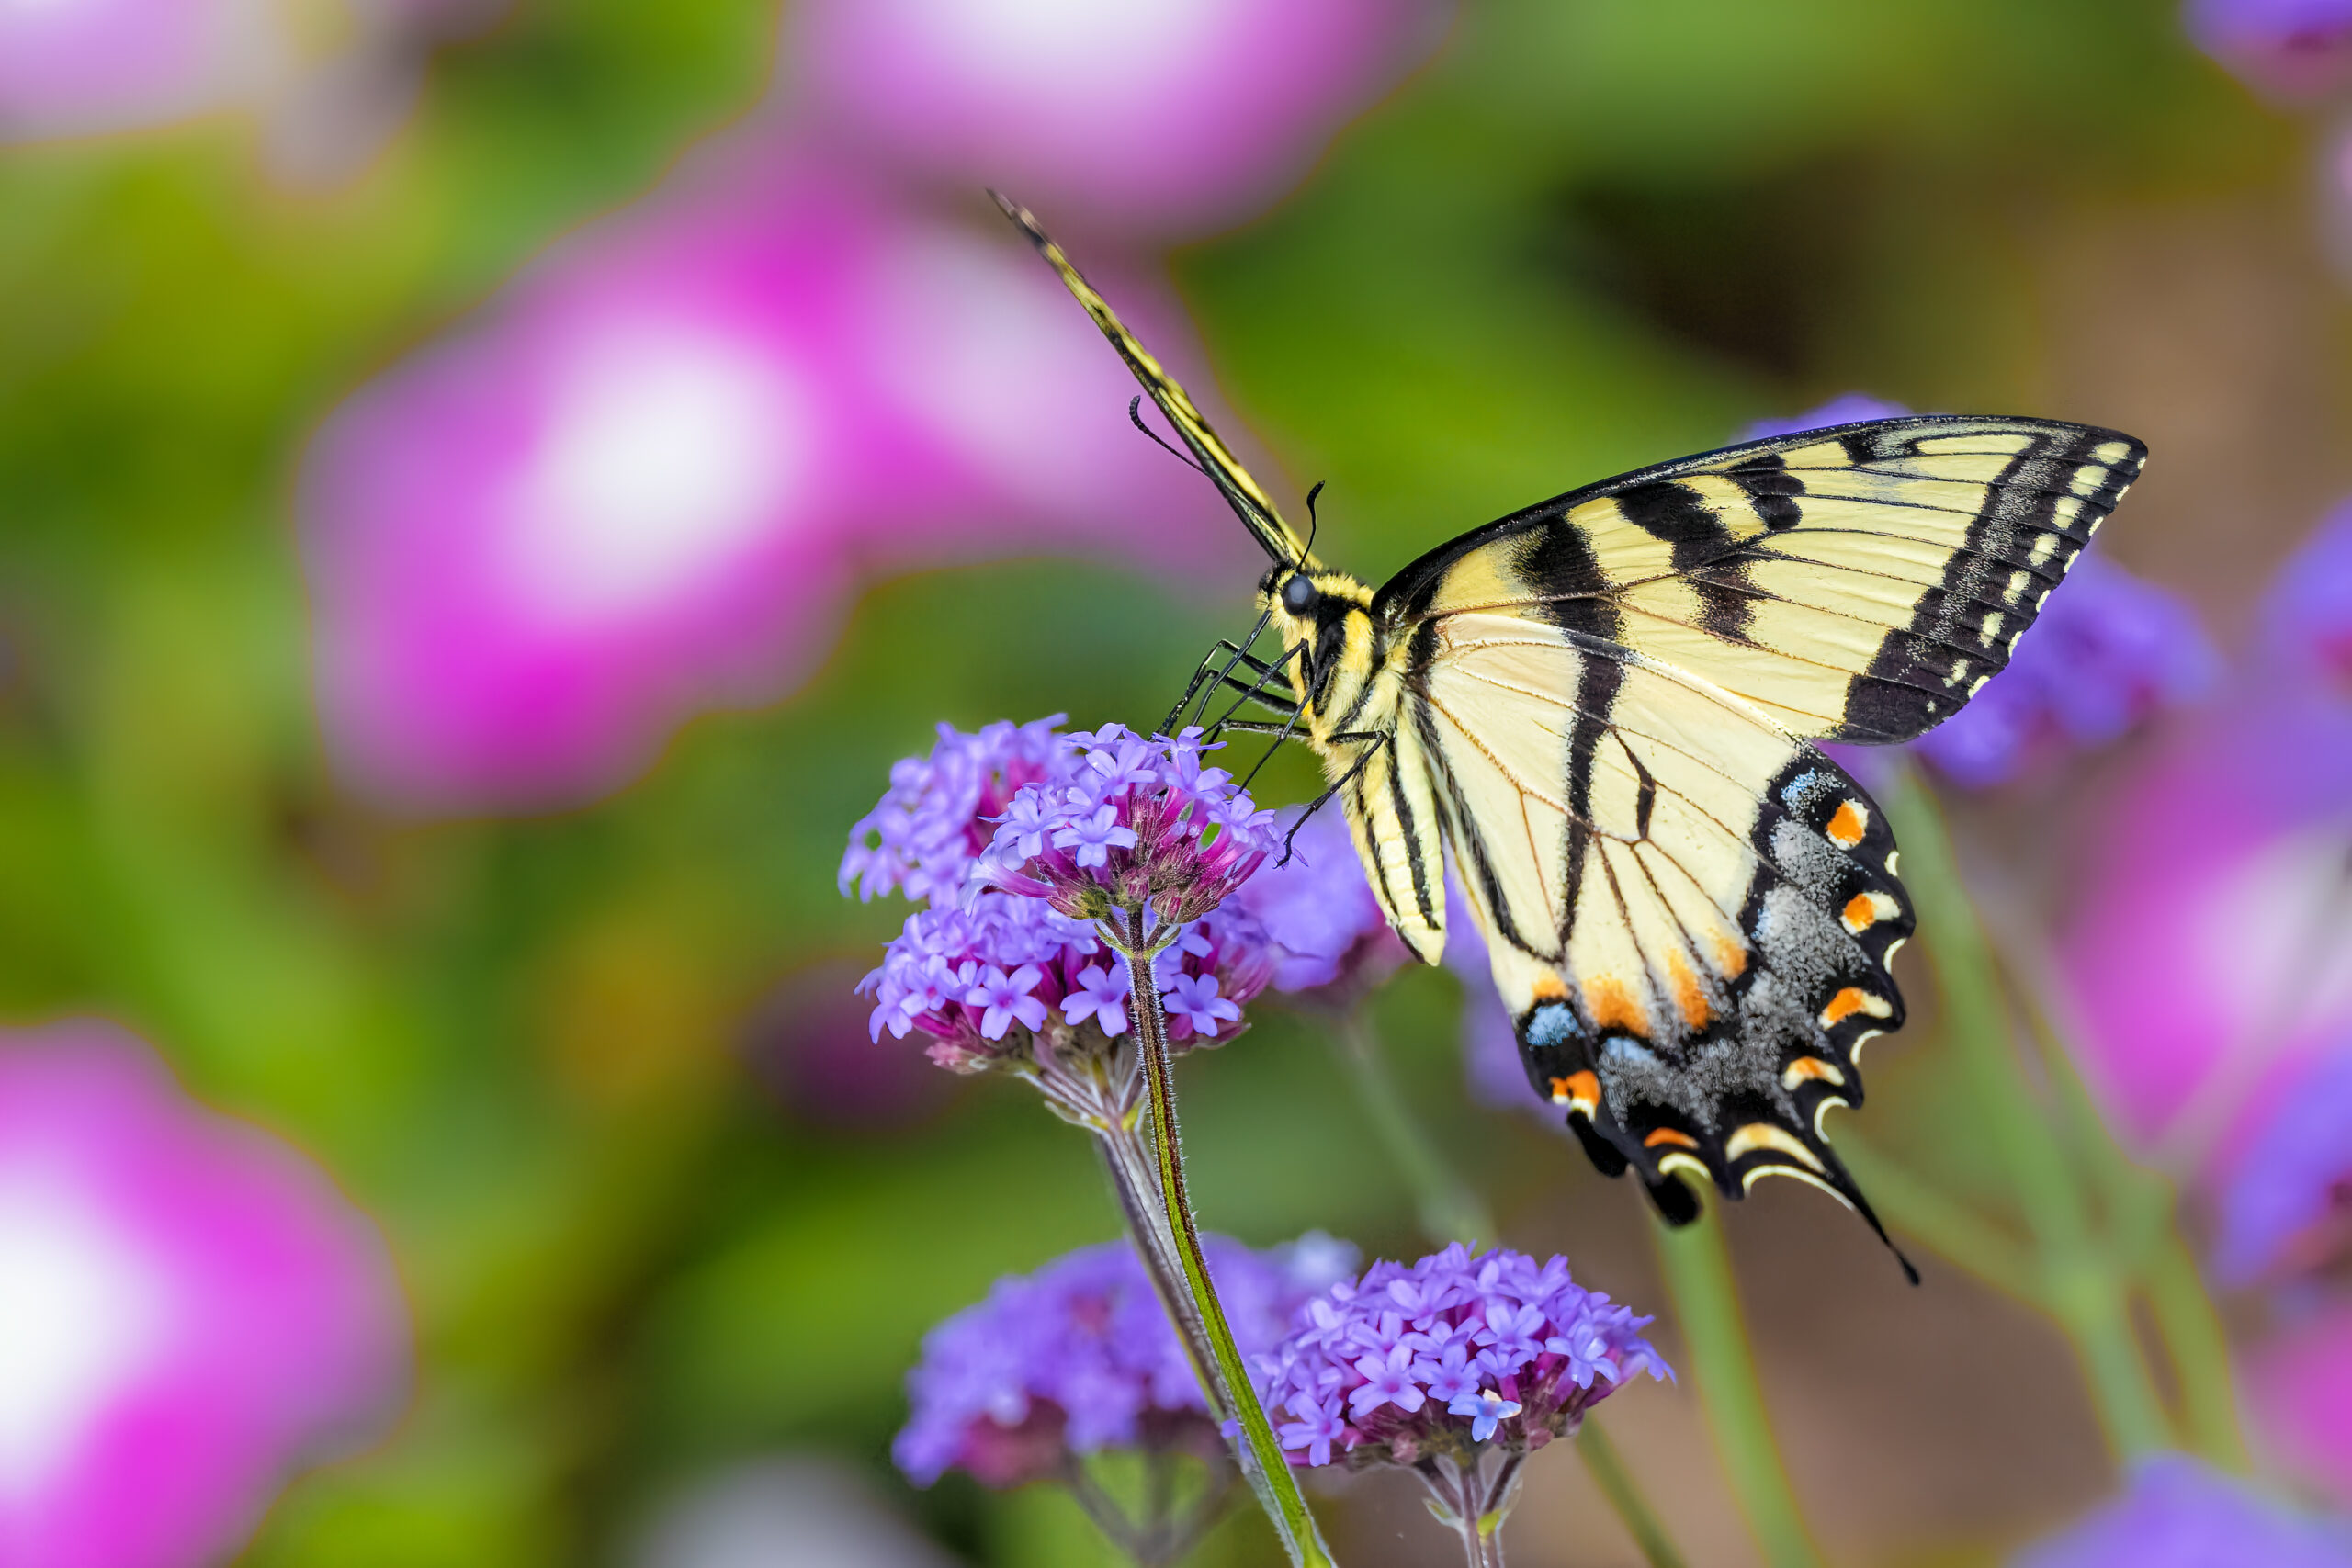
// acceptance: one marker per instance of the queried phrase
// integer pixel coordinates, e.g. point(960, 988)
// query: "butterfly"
point(1607, 706)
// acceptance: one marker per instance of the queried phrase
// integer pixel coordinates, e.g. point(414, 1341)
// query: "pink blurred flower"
point(188, 1309)
point(1162, 117)
point(2288, 49)
point(644, 483)
point(2300, 1387)
point(71, 67)
point(2210, 955)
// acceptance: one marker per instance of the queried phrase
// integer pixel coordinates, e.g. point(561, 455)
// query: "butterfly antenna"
point(1313, 523)
point(1135, 416)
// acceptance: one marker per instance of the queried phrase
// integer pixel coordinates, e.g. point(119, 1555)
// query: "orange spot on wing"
point(1614, 1006)
point(1860, 913)
point(1689, 996)
point(1579, 1091)
point(1549, 988)
point(1845, 828)
point(1844, 1005)
point(1805, 1067)
point(1665, 1136)
point(1730, 957)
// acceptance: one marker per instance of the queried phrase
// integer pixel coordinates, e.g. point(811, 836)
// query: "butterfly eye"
point(1298, 595)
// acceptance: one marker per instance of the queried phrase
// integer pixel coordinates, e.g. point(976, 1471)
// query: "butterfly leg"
point(1218, 677)
point(1376, 739)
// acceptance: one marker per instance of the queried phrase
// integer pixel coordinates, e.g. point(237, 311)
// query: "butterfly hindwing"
point(1689, 911)
point(1857, 584)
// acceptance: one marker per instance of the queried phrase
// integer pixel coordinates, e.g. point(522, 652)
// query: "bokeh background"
point(487, 490)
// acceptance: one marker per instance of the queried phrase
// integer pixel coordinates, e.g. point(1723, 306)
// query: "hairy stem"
point(1268, 1470)
point(1608, 1470)
point(1706, 1303)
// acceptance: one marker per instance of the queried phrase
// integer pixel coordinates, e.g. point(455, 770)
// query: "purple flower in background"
point(1136, 824)
point(189, 1311)
point(2175, 1513)
point(1360, 1364)
point(1851, 408)
point(1080, 1356)
point(2306, 618)
point(2107, 652)
point(2286, 1206)
point(1160, 116)
point(72, 67)
point(2289, 48)
point(1330, 941)
point(644, 483)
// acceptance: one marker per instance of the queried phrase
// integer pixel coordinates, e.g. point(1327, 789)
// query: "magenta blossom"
point(188, 1311)
point(72, 67)
point(1160, 115)
point(2210, 952)
point(2299, 1386)
point(2294, 49)
point(645, 481)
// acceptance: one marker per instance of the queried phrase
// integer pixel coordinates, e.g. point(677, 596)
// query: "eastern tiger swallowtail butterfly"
point(1606, 706)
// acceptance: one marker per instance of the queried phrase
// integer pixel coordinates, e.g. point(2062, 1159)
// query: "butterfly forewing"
point(1858, 584)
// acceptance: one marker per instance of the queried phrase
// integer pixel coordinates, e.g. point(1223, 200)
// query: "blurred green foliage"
point(1589, 235)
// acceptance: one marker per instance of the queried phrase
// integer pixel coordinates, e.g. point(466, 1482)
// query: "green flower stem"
point(1706, 1303)
point(1955, 1231)
point(1608, 1470)
point(2081, 1283)
point(1449, 1208)
point(1263, 1461)
point(2199, 1353)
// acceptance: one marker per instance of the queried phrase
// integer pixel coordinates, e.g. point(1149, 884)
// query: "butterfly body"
point(1606, 707)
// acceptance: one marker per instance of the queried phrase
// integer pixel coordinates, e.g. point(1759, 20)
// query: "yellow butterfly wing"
point(1858, 583)
point(1688, 910)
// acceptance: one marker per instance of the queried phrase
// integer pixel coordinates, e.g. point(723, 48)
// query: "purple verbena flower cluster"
point(988, 967)
point(1135, 823)
point(1454, 1352)
point(1080, 1356)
